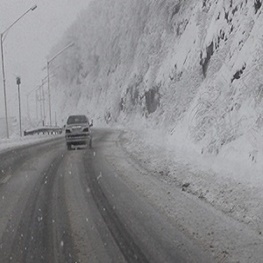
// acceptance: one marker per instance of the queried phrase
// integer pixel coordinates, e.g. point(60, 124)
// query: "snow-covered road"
point(84, 206)
point(131, 189)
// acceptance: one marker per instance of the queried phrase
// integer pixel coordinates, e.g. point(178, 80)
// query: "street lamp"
point(27, 101)
point(3, 66)
point(18, 82)
point(48, 82)
point(39, 95)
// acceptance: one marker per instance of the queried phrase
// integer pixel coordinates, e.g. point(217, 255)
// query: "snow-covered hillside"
point(191, 69)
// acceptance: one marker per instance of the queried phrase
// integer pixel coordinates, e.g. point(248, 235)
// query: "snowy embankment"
point(184, 67)
point(16, 141)
point(233, 188)
point(187, 76)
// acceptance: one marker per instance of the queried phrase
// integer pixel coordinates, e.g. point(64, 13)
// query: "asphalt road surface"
point(83, 206)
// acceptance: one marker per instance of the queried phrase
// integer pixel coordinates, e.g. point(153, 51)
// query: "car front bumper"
point(79, 138)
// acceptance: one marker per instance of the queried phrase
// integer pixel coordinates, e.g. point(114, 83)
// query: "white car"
point(77, 131)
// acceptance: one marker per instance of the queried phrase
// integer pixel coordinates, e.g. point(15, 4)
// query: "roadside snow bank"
point(234, 187)
point(7, 144)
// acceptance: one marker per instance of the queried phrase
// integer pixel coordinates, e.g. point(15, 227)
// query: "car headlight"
point(86, 130)
point(68, 131)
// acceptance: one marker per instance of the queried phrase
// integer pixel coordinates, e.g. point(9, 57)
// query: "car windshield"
point(77, 119)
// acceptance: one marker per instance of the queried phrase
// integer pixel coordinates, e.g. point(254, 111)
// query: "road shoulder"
point(182, 192)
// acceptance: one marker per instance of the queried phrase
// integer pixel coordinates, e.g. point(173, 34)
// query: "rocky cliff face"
point(191, 68)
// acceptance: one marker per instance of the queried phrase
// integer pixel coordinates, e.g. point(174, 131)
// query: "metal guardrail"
point(44, 130)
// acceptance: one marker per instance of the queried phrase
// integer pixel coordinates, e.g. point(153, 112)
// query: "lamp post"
point(43, 98)
point(27, 101)
point(39, 97)
point(48, 79)
point(3, 64)
point(18, 82)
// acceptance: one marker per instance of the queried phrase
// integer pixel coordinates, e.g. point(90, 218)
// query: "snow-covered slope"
point(189, 68)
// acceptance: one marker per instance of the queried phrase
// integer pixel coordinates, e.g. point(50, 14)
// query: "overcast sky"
point(29, 41)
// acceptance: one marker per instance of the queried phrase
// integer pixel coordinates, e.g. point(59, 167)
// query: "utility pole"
point(44, 107)
point(2, 38)
point(48, 78)
point(49, 95)
point(39, 99)
point(4, 84)
point(36, 106)
point(56, 119)
point(18, 82)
